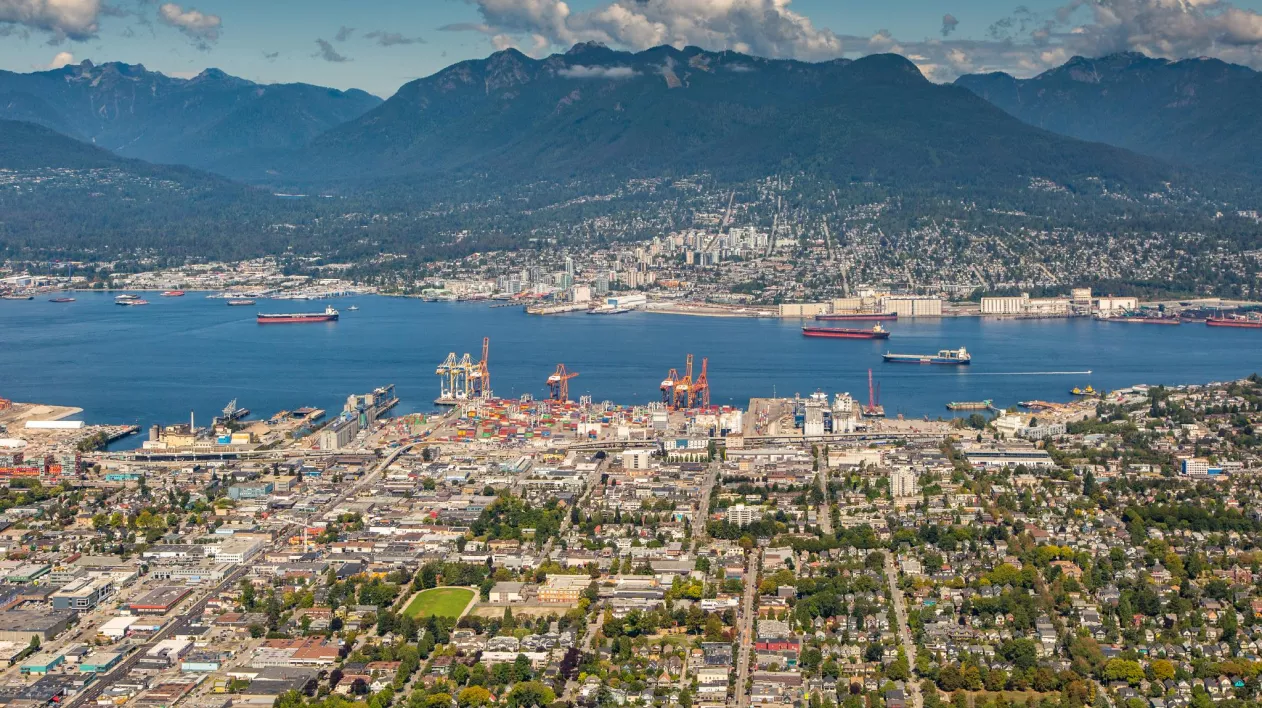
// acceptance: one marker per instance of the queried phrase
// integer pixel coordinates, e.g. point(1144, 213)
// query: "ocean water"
point(155, 364)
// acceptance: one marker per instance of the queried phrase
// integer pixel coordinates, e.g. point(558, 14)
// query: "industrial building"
point(82, 595)
point(912, 305)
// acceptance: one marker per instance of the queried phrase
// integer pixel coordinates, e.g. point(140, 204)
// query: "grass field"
point(443, 602)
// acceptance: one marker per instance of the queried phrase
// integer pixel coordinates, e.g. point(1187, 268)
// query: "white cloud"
point(62, 59)
point(1024, 43)
point(765, 27)
point(597, 72)
point(72, 19)
point(202, 28)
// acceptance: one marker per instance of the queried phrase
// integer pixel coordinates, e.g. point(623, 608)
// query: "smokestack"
point(191, 428)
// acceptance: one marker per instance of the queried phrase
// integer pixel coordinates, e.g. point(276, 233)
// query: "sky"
point(378, 45)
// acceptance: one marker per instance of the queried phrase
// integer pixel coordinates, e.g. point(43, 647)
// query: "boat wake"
point(1032, 373)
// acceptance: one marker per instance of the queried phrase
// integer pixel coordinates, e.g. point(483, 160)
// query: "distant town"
point(735, 274)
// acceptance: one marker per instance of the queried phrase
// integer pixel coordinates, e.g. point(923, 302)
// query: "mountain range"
point(1198, 112)
point(138, 113)
point(595, 112)
point(503, 146)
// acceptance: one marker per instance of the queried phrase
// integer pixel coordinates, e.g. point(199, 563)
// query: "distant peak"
point(212, 73)
point(587, 47)
point(888, 67)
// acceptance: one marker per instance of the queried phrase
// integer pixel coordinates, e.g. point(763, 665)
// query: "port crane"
point(450, 378)
point(5, 403)
point(480, 374)
point(701, 387)
point(559, 384)
point(874, 409)
point(683, 387)
point(668, 387)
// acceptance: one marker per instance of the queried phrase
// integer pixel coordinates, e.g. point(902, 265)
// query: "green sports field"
point(443, 602)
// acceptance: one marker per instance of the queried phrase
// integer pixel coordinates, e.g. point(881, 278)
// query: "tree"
point(899, 669)
point(1123, 670)
point(1162, 670)
point(528, 694)
point(473, 697)
point(34, 642)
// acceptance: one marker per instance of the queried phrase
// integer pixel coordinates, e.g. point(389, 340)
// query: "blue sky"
point(386, 43)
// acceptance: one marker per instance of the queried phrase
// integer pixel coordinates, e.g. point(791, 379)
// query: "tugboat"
point(953, 357)
point(877, 332)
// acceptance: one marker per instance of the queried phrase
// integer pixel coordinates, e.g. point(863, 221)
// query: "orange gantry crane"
point(683, 387)
point(699, 395)
point(668, 388)
point(480, 374)
point(687, 391)
point(5, 403)
point(559, 384)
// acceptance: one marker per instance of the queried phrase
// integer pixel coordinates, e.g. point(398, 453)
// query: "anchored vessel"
point(955, 357)
point(173, 293)
point(877, 332)
point(240, 303)
point(329, 315)
point(1242, 322)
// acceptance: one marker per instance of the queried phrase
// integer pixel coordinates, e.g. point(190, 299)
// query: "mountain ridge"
point(1199, 112)
point(597, 111)
point(143, 114)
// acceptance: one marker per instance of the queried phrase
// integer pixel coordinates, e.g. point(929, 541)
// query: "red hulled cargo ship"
point(1242, 322)
point(858, 317)
point(329, 315)
point(877, 332)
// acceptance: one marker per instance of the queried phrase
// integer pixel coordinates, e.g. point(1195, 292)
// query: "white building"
point(742, 515)
point(637, 459)
point(903, 483)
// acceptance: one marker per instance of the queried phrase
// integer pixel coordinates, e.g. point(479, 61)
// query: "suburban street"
point(904, 632)
point(747, 628)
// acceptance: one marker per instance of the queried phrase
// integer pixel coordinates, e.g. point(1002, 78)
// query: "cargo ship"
point(61, 299)
point(329, 315)
point(17, 297)
point(858, 317)
point(956, 357)
point(1139, 319)
point(877, 332)
point(131, 302)
point(240, 303)
point(1242, 322)
point(173, 293)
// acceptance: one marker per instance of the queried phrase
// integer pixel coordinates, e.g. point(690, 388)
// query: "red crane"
point(874, 408)
point(700, 394)
point(559, 384)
